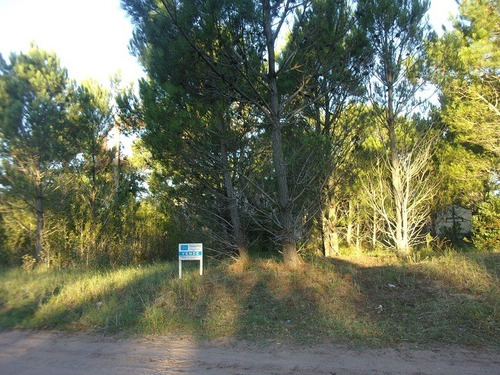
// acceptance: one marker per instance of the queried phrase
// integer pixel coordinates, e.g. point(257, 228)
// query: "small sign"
point(190, 251)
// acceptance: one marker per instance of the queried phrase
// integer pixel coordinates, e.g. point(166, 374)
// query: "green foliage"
point(467, 61)
point(486, 224)
point(398, 187)
point(38, 132)
point(28, 262)
point(397, 33)
point(255, 133)
point(247, 146)
point(35, 110)
point(66, 197)
point(461, 171)
point(18, 225)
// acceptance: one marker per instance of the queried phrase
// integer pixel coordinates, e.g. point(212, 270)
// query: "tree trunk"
point(289, 246)
point(330, 231)
point(400, 239)
point(117, 162)
point(290, 255)
point(39, 217)
point(93, 192)
point(350, 223)
point(399, 224)
point(232, 201)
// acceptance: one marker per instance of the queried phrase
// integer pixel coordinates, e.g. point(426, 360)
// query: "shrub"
point(486, 224)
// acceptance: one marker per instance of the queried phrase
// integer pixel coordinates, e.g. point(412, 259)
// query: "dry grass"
point(360, 299)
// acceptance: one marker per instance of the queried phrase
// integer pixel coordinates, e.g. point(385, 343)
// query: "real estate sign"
point(190, 251)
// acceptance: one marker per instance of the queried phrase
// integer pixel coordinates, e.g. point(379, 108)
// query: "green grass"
point(359, 299)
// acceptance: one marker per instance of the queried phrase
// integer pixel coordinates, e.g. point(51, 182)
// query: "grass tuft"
point(359, 299)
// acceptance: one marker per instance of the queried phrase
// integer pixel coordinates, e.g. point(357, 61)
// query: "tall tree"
point(96, 123)
point(91, 179)
point(413, 200)
point(466, 63)
point(196, 143)
point(37, 132)
point(398, 32)
point(239, 44)
point(243, 34)
point(190, 124)
point(333, 62)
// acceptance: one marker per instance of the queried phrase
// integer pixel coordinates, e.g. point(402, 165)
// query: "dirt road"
point(27, 352)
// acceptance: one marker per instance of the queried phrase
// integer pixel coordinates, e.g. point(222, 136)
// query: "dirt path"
point(27, 352)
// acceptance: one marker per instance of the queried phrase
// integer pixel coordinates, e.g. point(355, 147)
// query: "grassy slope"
point(453, 299)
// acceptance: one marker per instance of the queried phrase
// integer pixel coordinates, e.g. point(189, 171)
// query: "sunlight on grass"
point(358, 299)
point(465, 272)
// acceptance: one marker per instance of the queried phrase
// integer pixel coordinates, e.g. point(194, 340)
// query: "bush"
point(486, 224)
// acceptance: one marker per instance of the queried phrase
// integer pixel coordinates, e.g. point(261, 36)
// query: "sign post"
point(190, 251)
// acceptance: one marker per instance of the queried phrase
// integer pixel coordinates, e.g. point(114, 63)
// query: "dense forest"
point(275, 127)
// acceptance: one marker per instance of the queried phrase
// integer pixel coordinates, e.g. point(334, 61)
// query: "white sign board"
point(190, 251)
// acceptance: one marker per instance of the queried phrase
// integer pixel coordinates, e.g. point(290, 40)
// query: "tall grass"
point(358, 299)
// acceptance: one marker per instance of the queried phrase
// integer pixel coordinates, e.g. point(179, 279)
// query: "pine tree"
point(37, 131)
point(398, 32)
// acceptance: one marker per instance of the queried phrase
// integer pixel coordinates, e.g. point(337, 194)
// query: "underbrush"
point(359, 299)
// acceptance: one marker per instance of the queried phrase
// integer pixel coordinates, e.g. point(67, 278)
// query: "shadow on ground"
point(335, 300)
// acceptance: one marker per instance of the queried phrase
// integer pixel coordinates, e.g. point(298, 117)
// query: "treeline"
point(264, 126)
point(68, 196)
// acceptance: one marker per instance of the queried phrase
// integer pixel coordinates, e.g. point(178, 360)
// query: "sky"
point(91, 37)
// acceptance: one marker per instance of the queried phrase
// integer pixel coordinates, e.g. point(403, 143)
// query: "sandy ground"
point(28, 352)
